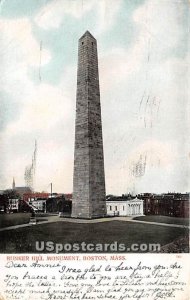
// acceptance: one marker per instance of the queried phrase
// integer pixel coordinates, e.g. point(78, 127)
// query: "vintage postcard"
point(94, 148)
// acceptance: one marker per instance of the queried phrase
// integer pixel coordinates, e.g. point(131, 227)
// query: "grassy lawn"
point(14, 219)
point(23, 240)
point(164, 219)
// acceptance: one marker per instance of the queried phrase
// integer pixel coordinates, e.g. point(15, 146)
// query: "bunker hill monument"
point(89, 178)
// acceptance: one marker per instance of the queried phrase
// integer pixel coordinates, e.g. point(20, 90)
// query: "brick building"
point(170, 204)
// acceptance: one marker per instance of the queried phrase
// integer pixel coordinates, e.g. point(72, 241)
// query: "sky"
point(143, 51)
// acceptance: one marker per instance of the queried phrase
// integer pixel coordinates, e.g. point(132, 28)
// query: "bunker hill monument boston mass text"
point(89, 178)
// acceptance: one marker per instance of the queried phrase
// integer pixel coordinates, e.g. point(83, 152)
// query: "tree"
point(11, 194)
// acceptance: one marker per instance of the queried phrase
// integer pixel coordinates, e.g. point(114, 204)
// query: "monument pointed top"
point(87, 33)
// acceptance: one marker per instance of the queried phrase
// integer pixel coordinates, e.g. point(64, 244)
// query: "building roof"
point(35, 195)
point(68, 196)
point(22, 190)
point(122, 199)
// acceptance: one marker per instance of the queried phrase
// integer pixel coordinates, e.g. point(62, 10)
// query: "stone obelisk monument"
point(89, 179)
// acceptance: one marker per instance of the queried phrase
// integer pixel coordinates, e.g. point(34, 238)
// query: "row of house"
point(38, 202)
point(167, 204)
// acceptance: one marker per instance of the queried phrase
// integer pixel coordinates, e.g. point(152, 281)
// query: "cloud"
point(27, 108)
point(159, 31)
point(107, 14)
point(52, 15)
point(157, 153)
point(9, 110)
point(46, 106)
point(18, 44)
point(19, 51)
point(147, 81)
point(154, 65)
point(148, 167)
point(160, 22)
point(48, 116)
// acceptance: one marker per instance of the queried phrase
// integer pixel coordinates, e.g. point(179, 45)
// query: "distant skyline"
point(143, 50)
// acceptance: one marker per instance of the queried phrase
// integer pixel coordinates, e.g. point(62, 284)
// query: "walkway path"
point(52, 219)
point(125, 219)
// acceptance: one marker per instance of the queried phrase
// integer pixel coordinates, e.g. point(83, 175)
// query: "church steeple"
point(13, 185)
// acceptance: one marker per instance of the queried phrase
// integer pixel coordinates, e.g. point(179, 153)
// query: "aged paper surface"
point(104, 277)
point(143, 59)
